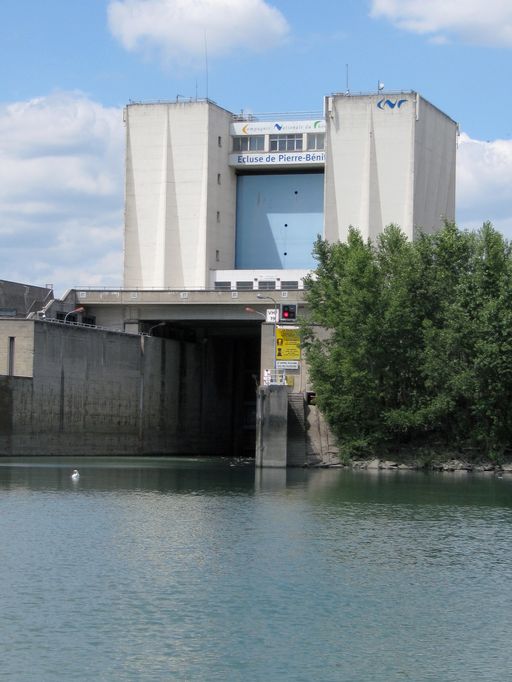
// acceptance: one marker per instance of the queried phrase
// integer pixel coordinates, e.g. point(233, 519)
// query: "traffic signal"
point(288, 312)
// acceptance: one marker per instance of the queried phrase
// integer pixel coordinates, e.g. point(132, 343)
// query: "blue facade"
point(278, 219)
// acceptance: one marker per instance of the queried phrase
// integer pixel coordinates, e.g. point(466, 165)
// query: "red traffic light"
point(288, 311)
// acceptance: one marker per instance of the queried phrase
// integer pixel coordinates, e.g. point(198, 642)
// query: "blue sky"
point(71, 65)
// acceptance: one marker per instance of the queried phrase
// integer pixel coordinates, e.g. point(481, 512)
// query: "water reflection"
point(201, 569)
point(210, 475)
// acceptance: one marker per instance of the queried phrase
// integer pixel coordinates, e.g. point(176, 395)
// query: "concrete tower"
point(389, 159)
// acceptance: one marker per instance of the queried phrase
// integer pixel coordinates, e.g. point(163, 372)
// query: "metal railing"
point(273, 377)
point(83, 325)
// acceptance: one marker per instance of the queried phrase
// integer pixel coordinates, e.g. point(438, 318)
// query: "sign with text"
point(276, 159)
point(287, 343)
point(287, 364)
point(271, 316)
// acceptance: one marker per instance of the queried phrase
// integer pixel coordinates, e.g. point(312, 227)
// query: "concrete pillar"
point(271, 426)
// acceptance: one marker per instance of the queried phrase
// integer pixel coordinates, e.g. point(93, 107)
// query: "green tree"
point(411, 342)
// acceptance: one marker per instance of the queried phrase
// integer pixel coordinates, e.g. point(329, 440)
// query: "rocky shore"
point(449, 465)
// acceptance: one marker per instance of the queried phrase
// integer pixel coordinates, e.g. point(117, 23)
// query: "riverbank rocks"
point(450, 465)
point(380, 464)
point(486, 467)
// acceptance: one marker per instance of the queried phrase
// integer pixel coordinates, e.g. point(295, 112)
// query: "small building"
point(18, 300)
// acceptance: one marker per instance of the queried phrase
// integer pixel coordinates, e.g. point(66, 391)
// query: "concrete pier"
point(272, 426)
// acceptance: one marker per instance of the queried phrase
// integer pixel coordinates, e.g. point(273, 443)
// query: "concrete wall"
point(22, 347)
point(180, 194)
point(89, 392)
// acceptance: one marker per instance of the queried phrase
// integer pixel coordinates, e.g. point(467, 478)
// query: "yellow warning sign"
point(287, 343)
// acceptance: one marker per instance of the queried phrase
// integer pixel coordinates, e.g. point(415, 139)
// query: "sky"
point(70, 66)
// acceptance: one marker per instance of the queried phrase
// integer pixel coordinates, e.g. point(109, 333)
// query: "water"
point(168, 569)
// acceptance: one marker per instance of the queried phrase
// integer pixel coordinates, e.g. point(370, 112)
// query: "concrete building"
point(217, 200)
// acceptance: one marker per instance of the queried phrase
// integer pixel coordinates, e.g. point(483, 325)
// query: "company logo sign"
point(390, 104)
point(273, 127)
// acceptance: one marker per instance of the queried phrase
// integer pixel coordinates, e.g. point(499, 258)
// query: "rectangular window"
point(266, 285)
point(316, 141)
point(222, 286)
point(244, 286)
point(290, 284)
point(240, 144)
point(286, 143)
point(257, 143)
point(249, 143)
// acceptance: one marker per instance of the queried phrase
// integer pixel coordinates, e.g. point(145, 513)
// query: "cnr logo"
point(397, 103)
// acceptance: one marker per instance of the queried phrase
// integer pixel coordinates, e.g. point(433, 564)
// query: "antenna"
point(206, 62)
point(346, 79)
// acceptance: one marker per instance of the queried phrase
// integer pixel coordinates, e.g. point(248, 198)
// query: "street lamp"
point(160, 324)
point(76, 310)
point(257, 312)
point(269, 298)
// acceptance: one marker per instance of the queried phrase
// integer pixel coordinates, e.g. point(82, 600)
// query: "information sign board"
point(287, 343)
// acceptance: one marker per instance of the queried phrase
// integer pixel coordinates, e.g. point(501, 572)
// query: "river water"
point(201, 569)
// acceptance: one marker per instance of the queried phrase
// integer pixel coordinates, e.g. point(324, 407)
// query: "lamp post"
point(75, 310)
point(160, 324)
point(269, 298)
point(256, 312)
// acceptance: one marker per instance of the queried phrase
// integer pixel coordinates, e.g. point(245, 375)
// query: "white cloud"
point(484, 179)
point(477, 22)
point(176, 28)
point(61, 191)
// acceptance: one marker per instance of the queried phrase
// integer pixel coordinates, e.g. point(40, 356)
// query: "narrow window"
point(218, 216)
point(219, 141)
point(10, 356)
point(218, 178)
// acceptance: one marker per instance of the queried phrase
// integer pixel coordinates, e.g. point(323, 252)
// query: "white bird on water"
point(75, 476)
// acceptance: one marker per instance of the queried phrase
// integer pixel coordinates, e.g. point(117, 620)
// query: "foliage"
point(410, 343)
